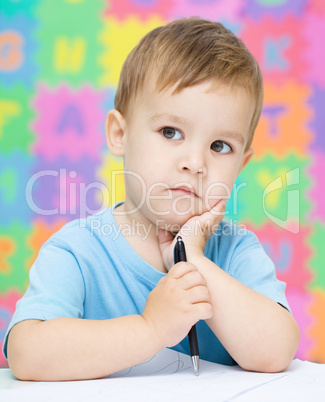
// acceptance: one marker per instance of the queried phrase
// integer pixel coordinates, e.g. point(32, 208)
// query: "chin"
point(176, 215)
point(173, 222)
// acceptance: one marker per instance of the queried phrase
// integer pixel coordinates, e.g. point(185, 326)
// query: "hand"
point(195, 234)
point(179, 300)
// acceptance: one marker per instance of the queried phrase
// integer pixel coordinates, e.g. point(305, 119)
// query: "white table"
point(169, 377)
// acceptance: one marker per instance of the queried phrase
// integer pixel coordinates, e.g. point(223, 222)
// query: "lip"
point(184, 190)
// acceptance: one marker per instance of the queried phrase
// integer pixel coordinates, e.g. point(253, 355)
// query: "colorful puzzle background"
point(59, 67)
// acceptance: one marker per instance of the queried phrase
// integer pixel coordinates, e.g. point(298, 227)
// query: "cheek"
point(141, 182)
point(143, 159)
point(134, 185)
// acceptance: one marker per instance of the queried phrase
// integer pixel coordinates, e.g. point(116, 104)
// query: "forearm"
point(75, 349)
point(257, 332)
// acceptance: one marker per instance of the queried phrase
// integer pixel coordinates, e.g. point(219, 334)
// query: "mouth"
point(184, 190)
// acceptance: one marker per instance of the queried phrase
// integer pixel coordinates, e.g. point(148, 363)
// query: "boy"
point(188, 102)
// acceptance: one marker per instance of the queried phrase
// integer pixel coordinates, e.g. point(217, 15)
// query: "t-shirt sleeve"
point(253, 267)
point(56, 288)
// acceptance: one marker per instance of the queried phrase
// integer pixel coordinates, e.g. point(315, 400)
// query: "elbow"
point(277, 357)
point(19, 372)
point(17, 366)
point(272, 365)
point(25, 368)
point(17, 361)
point(267, 365)
point(22, 358)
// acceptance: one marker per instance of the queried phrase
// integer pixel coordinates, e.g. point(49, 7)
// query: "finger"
point(217, 211)
point(203, 311)
point(180, 269)
point(192, 279)
point(199, 294)
point(210, 219)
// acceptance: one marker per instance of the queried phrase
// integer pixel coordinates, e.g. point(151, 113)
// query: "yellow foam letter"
point(69, 54)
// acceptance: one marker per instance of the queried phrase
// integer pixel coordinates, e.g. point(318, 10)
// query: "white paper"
point(169, 376)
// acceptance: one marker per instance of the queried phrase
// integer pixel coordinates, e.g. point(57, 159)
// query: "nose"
point(193, 162)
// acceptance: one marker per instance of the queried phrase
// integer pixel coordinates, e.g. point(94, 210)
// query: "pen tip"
point(179, 238)
point(195, 362)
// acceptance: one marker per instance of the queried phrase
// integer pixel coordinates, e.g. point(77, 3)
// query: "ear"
point(115, 132)
point(246, 158)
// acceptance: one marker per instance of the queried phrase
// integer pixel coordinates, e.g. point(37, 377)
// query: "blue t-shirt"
point(88, 270)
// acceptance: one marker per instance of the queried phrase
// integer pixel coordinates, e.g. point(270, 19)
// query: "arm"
point(76, 349)
point(256, 331)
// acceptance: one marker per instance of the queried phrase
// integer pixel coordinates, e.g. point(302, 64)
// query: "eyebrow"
point(234, 135)
point(168, 116)
point(179, 120)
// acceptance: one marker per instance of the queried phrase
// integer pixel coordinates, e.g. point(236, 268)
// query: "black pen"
point(180, 255)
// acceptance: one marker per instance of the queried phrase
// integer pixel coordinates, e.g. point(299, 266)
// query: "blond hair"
point(185, 53)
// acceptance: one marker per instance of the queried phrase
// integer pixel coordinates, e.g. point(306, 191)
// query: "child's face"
point(183, 152)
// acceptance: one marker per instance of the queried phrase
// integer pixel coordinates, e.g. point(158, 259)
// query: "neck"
point(134, 224)
point(141, 234)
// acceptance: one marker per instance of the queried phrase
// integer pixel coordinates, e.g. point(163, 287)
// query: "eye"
point(171, 133)
point(221, 147)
